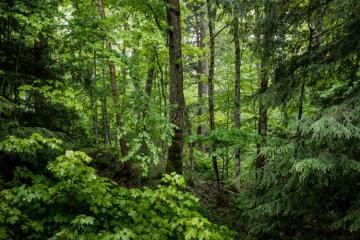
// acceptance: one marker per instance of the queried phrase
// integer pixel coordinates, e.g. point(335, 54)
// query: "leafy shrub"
point(75, 203)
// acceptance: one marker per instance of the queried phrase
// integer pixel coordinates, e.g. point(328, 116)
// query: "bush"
point(75, 203)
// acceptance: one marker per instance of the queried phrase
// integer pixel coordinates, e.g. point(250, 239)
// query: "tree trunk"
point(94, 118)
point(105, 121)
point(263, 122)
point(264, 82)
point(124, 82)
point(237, 90)
point(177, 101)
point(285, 115)
point(161, 84)
point(150, 76)
point(148, 89)
point(94, 105)
point(105, 115)
point(114, 88)
point(211, 88)
point(315, 27)
point(191, 149)
point(201, 70)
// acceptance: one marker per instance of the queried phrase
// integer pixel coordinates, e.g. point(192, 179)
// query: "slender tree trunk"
point(177, 101)
point(192, 162)
point(211, 88)
point(262, 122)
point(105, 121)
point(162, 101)
point(255, 104)
point(114, 88)
point(94, 118)
point(94, 105)
point(124, 82)
point(315, 26)
point(150, 77)
point(201, 70)
point(162, 83)
point(299, 117)
point(16, 80)
point(264, 82)
point(105, 114)
point(285, 114)
point(191, 149)
point(227, 157)
point(148, 89)
point(237, 90)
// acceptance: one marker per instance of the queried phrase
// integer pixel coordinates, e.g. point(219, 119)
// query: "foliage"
point(64, 66)
point(308, 187)
point(75, 203)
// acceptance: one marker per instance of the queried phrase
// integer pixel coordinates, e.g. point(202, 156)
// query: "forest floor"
point(220, 211)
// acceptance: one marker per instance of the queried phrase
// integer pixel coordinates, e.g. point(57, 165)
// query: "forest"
point(180, 119)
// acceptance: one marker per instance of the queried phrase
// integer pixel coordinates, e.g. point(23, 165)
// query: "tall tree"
point(94, 104)
point(201, 68)
point(177, 100)
point(104, 110)
point(237, 86)
point(266, 46)
point(114, 87)
point(315, 27)
point(211, 16)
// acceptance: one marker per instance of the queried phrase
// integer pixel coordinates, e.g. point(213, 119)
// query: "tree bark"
point(237, 90)
point(177, 101)
point(211, 88)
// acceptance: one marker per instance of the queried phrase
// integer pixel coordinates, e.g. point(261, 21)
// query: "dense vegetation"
point(191, 119)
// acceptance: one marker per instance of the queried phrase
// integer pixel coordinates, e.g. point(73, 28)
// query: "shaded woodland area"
point(180, 119)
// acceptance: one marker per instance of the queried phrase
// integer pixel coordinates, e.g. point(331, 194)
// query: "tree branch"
point(222, 29)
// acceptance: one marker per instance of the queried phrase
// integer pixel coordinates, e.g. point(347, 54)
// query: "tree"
point(177, 100)
point(318, 177)
point(201, 68)
point(211, 16)
point(114, 87)
point(266, 50)
point(237, 86)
